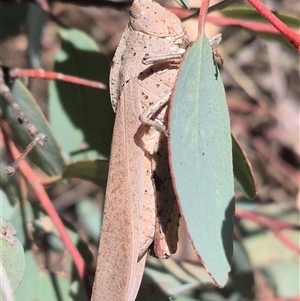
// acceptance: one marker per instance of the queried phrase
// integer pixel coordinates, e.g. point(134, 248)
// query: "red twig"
point(280, 299)
point(40, 73)
point(202, 16)
point(47, 205)
point(274, 225)
point(253, 26)
point(279, 25)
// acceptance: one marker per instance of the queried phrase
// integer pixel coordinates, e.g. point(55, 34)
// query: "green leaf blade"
point(183, 3)
point(81, 117)
point(47, 157)
point(92, 170)
point(244, 180)
point(11, 256)
point(201, 159)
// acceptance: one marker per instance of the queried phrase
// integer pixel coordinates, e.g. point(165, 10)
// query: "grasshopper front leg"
point(150, 59)
point(145, 117)
point(174, 58)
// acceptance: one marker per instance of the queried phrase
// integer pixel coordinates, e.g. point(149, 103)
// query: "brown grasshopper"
point(140, 211)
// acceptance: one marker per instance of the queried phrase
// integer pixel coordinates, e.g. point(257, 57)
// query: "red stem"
point(40, 192)
point(279, 25)
point(253, 26)
point(202, 16)
point(274, 225)
point(40, 73)
point(280, 299)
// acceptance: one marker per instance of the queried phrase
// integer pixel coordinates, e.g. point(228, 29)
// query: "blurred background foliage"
point(261, 77)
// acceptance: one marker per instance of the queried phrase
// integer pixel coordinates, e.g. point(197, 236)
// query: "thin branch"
point(38, 138)
point(274, 225)
point(278, 24)
point(280, 299)
point(41, 194)
point(253, 26)
point(40, 73)
point(202, 16)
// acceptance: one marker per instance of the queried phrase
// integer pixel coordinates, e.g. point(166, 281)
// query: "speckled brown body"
point(140, 210)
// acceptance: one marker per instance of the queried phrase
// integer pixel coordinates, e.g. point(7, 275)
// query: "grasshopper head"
point(151, 18)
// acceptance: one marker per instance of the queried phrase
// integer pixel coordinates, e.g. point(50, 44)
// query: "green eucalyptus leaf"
point(242, 272)
point(87, 207)
point(183, 3)
point(41, 284)
point(49, 273)
point(244, 180)
point(81, 117)
point(6, 207)
point(270, 255)
point(22, 214)
point(11, 255)
point(201, 159)
point(93, 170)
point(47, 157)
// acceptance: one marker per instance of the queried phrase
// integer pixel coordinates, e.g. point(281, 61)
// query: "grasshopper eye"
point(136, 11)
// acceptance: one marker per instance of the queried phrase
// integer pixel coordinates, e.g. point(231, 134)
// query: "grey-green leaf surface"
point(201, 159)
point(11, 255)
point(93, 170)
point(270, 255)
point(243, 176)
point(8, 185)
point(81, 117)
point(47, 157)
point(55, 280)
point(87, 207)
point(174, 279)
point(183, 3)
point(41, 284)
point(242, 272)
